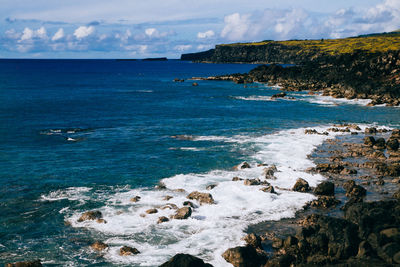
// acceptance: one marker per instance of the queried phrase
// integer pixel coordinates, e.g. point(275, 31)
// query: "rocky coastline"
point(352, 76)
point(355, 219)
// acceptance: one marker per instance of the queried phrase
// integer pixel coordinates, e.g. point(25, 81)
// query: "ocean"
point(81, 135)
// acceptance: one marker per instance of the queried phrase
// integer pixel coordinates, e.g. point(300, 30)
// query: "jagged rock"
point(325, 188)
point(325, 202)
point(269, 172)
point(35, 263)
point(278, 95)
point(98, 246)
point(268, 189)
point(185, 260)
point(195, 84)
point(211, 186)
point(188, 203)
point(243, 165)
point(166, 198)
point(353, 190)
point(203, 198)
point(392, 144)
point(244, 257)
point(90, 216)
point(252, 182)
point(369, 141)
point(371, 130)
point(253, 240)
point(151, 211)
point(347, 171)
point(380, 143)
point(162, 219)
point(235, 179)
point(327, 167)
point(301, 185)
point(135, 199)
point(183, 213)
point(127, 251)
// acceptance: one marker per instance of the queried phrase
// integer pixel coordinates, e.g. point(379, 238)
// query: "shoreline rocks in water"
point(35, 263)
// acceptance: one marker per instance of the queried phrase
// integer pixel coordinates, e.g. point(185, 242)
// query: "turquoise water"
point(78, 135)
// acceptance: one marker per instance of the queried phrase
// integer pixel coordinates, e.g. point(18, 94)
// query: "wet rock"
point(35, 263)
point(253, 240)
point(327, 167)
point(396, 195)
point(353, 190)
point(380, 143)
point(185, 260)
point(392, 170)
point(99, 246)
point(166, 198)
point(244, 257)
point(188, 203)
point(161, 186)
point(127, 251)
point(325, 202)
point(269, 172)
point(301, 185)
point(162, 219)
point(252, 182)
point(90, 216)
point(211, 186)
point(347, 171)
point(235, 179)
point(195, 84)
point(379, 182)
point(278, 95)
point(268, 189)
point(369, 141)
point(371, 130)
point(392, 144)
point(325, 188)
point(180, 190)
point(135, 199)
point(151, 211)
point(178, 80)
point(183, 213)
point(243, 165)
point(364, 250)
point(203, 198)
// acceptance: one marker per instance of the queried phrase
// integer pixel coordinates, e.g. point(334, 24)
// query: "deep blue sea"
point(80, 135)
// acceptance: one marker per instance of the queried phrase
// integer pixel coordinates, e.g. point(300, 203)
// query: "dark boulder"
point(301, 185)
point(127, 251)
point(90, 216)
point(392, 144)
point(325, 188)
point(185, 260)
point(325, 202)
point(99, 246)
point(183, 213)
point(203, 198)
point(244, 257)
point(380, 143)
point(369, 141)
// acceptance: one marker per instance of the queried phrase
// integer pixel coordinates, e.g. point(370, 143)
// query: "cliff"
point(296, 51)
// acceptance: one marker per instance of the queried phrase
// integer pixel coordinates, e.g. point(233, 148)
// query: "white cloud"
point(204, 47)
point(236, 26)
point(292, 22)
point(27, 34)
point(151, 31)
point(41, 33)
point(12, 34)
point(182, 48)
point(207, 34)
point(58, 35)
point(154, 33)
point(83, 32)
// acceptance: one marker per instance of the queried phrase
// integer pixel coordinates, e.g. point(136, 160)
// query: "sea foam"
point(212, 228)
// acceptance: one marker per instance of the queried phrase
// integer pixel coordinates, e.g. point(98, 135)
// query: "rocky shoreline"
point(353, 221)
point(358, 75)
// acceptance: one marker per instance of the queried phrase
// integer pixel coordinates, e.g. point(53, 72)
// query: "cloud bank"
point(102, 38)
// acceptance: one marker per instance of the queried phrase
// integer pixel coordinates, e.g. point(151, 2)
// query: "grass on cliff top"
point(372, 44)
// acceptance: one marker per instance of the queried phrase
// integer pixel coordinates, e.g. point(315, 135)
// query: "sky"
point(158, 28)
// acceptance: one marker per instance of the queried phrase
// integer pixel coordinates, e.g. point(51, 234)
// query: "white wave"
point(331, 101)
point(144, 91)
point(212, 228)
point(187, 148)
point(71, 193)
point(254, 98)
